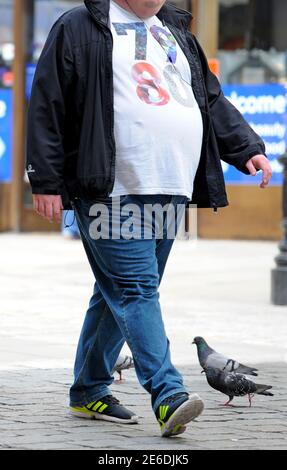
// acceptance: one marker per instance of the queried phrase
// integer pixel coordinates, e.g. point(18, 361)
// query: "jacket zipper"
point(112, 166)
point(213, 204)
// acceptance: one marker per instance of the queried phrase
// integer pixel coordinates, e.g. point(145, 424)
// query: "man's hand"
point(260, 162)
point(48, 206)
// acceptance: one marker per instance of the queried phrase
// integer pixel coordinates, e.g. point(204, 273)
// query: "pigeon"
point(233, 384)
point(123, 363)
point(210, 358)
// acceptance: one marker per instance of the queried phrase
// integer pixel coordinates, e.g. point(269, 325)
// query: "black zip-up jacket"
point(70, 138)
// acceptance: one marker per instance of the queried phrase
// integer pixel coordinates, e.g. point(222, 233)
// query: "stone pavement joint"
point(42, 420)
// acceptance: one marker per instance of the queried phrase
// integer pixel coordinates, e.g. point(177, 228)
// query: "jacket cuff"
point(48, 191)
point(249, 155)
point(256, 152)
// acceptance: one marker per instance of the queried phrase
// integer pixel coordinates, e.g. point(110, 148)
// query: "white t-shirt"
point(158, 125)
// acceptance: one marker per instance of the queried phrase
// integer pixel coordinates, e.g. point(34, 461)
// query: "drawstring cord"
point(74, 217)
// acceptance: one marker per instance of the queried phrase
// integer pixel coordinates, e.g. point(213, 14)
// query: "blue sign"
point(265, 109)
point(6, 125)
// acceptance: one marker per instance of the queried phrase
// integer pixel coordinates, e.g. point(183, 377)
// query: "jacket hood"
point(171, 14)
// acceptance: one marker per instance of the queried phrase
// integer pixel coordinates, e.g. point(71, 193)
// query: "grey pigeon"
point(123, 363)
point(210, 358)
point(233, 384)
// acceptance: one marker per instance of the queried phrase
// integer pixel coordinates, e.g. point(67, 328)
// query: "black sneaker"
point(107, 408)
point(176, 411)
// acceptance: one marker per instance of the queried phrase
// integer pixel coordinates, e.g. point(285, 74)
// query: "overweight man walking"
point(126, 117)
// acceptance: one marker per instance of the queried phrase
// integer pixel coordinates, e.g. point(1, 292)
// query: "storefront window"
point(253, 41)
point(6, 43)
point(46, 13)
point(253, 72)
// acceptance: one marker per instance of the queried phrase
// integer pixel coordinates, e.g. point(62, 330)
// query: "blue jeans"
point(124, 307)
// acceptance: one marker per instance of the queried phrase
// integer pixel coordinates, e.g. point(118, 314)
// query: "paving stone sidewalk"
point(216, 289)
point(34, 415)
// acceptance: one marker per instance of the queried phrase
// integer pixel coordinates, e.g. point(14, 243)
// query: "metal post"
point(207, 25)
point(18, 113)
point(22, 30)
point(194, 10)
point(279, 274)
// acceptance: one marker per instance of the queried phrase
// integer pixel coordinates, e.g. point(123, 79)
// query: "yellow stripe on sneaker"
point(103, 407)
point(82, 410)
point(163, 411)
point(177, 428)
point(93, 406)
